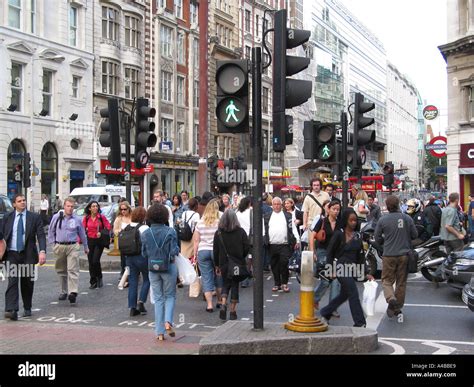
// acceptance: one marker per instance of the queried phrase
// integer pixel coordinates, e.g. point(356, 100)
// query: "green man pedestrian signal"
point(144, 133)
point(326, 142)
point(287, 92)
point(110, 132)
point(232, 104)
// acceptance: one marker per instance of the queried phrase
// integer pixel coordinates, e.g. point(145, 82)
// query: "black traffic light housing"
point(27, 171)
point(110, 132)
point(287, 92)
point(361, 137)
point(232, 102)
point(144, 132)
point(310, 145)
point(326, 142)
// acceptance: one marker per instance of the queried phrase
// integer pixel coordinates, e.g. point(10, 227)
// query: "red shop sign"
point(106, 168)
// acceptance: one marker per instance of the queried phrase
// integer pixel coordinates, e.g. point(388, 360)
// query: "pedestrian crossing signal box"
point(232, 103)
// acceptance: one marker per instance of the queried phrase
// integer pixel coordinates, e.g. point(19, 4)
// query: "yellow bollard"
point(115, 252)
point(305, 321)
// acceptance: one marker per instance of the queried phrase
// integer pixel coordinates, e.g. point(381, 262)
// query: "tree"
point(431, 163)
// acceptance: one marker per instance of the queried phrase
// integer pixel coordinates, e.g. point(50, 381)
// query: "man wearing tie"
point(21, 230)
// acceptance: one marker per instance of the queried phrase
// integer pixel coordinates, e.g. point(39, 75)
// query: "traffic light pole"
point(128, 167)
point(345, 173)
point(258, 187)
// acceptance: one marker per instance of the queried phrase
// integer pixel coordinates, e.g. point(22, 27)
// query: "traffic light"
point(388, 178)
point(232, 102)
point(27, 171)
point(144, 132)
point(326, 142)
point(344, 165)
point(309, 145)
point(287, 92)
point(361, 137)
point(110, 132)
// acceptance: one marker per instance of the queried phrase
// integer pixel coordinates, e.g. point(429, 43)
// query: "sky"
point(411, 31)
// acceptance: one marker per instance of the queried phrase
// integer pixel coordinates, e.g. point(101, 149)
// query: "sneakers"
point(141, 307)
point(62, 296)
point(324, 320)
point(72, 298)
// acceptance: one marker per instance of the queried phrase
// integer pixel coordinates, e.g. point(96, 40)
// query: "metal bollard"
point(305, 321)
point(115, 252)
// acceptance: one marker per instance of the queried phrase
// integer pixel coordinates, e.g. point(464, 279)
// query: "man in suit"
point(21, 230)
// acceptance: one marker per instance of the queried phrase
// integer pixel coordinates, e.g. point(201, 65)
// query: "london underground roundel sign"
point(437, 146)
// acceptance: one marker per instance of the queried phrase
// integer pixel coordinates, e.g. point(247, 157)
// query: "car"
point(468, 294)
point(5, 206)
point(458, 268)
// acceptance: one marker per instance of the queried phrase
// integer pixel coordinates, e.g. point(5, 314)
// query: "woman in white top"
point(44, 207)
point(203, 250)
point(191, 217)
point(361, 208)
point(124, 218)
point(137, 264)
point(244, 216)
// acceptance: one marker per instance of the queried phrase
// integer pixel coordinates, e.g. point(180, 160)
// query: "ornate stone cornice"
point(463, 45)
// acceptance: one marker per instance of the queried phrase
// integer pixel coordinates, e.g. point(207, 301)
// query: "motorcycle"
point(429, 254)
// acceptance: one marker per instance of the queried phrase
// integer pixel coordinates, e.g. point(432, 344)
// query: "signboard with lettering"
point(106, 168)
point(437, 146)
point(430, 112)
point(467, 155)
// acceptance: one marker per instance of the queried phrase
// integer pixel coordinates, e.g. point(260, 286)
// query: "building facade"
point(46, 111)
point(402, 126)
point(459, 56)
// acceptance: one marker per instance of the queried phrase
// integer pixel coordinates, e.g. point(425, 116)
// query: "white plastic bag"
point(186, 272)
point(305, 236)
point(369, 297)
point(124, 278)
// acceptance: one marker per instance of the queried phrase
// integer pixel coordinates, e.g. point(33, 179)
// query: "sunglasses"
point(124, 209)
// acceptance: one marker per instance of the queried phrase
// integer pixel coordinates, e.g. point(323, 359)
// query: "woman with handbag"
point(361, 208)
point(191, 217)
point(231, 246)
point(123, 219)
point(203, 250)
point(320, 238)
point(160, 240)
point(98, 237)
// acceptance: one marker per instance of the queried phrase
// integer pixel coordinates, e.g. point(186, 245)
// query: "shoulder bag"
point(321, 234)
point(235, 269)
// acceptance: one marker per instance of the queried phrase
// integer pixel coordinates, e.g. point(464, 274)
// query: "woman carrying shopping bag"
point(160, 240)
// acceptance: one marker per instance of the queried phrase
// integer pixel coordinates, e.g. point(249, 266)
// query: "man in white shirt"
point(281, 237)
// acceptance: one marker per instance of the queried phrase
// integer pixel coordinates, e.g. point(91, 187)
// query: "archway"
point(49, 170)
point(15, 168)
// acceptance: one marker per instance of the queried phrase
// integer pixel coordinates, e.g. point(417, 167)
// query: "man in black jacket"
point(21, 230)
point(433, 213)
point(281, 237)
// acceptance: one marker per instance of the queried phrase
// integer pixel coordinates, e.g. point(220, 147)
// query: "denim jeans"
point(164, 295)
point(209, 279)
point(471, 226)
point(137, 264)
point(335, 286)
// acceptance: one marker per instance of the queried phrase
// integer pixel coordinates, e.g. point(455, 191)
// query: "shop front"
point(466, 173)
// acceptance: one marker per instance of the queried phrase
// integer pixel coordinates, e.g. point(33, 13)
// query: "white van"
point(105, 194)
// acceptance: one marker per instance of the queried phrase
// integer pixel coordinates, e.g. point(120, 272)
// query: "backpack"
point(129, 240)
point(183, 230)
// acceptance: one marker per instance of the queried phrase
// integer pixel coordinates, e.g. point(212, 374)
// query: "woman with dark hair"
point(138, 264)
point(177, 207)
point(346, 247)
point(191, 217)
point(163, 284)
point(229, 240)
point(93, 223)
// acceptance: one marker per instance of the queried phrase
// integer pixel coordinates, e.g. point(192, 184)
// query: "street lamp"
point(59, 58)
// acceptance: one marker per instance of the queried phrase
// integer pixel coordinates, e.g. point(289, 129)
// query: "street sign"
point(362, 156)
point(430, 112)
point(437, 146)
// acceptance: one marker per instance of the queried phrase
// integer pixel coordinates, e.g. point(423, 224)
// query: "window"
point(110, 25)
point(14, 13)
point(165, 129)
point(73, 26)
point(194, 12)
point(266, 59)
point(216, 145)
point(47, 91)
point(76, 83)
point(166, 83)
point(196, 94)
point(132, 31)
point(109, 77)
point(265, 100)
point(180, 87)
point(33, 16)
point(471, 102)
point(161, 3)
point(227, 147)
point(166, 41)
point(248, 52)
point(180, 137)
point(17, 85)
point(181, 48)
point(132, 83)
point(178, 8)
point(247, 20)
point(196, 53)
point(195, 139)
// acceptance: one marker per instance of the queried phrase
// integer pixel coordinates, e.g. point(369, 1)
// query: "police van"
point(106, 194)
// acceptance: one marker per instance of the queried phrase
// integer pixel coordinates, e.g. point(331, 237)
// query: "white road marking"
point(290, 283)
point(206, 326)
point(275, 295)
point(268, 300)
point(397, 349)
point(54, 303)
point(35, 310)
point(442, 349)
point(431, 341)
point(438, 306)
point(84, 293)
point(245, 319)
point(374, 321)
point(179, 325)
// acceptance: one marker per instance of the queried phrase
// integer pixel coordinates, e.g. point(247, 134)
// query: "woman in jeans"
point(138, 264)
point(191, 217)
point(330, 224)
point(93, 223)
point(123, 219)
point(163, 284)
point(229, 239)
point(203, 250)
point(346, 247)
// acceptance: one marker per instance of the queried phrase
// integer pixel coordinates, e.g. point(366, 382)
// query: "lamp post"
point(32, 143)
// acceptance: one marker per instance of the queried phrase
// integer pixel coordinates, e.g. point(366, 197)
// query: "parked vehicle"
point(458, 268)
point(5, 206)
point(106, 194)
point(468, 294)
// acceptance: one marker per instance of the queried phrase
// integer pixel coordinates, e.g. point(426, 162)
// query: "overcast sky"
point(411, 31)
